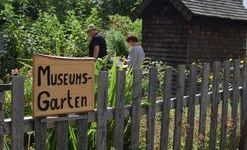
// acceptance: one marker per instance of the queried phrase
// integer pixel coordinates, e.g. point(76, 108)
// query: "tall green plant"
point(116, 44)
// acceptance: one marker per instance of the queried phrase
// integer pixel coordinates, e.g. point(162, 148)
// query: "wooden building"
point(184, 31)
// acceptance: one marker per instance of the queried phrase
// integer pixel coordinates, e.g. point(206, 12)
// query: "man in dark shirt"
point(97, 45)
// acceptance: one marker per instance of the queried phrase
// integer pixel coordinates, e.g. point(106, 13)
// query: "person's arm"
point(96, 51)
point(129, 57)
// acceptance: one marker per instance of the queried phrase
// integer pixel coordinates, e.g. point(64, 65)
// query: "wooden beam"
point(17, 116)
point(5, 87)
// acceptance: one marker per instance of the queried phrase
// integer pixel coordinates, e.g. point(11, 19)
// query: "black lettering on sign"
point(54, 104)
point(77, 101)
point(62, 102)
point(72, 79)
point(44, 102)
point(85, 78)
point(45, 72)
point(65, 78)
point(83, 101)
point(69, 98)
point(60, 79)
point(78, 79)
point(53, 79)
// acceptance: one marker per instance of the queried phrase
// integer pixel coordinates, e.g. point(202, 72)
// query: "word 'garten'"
point(46, 102)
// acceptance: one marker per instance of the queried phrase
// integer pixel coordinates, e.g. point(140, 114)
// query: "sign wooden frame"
point(62, 85)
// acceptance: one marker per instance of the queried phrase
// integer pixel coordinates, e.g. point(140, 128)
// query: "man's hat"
point(91, 27)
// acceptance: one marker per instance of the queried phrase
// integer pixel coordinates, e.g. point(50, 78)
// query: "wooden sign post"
point(62, 85)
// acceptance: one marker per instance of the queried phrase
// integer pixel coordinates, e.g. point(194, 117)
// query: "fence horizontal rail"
point(5, 87)
point(29, 121)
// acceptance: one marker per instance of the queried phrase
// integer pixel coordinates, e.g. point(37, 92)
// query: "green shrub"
point(46, 35)
point(124, 25)
point(116, 44)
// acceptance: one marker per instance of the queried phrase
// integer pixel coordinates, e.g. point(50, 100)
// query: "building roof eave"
point(211, 8)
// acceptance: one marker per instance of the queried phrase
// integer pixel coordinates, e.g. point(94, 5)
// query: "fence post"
point(102, 111)
point(136, 109)
point(40, 134)
point(235, 100)
point(179, 108)
point(244, 97)
point(214, 106)
point(224, 114)
point(118, 135)
point(153, 84)
point(203, 105)
point(243, 141)
point(191, 108)
point(17, 116)
point(2, 130)
point(166, 110)
point(62, 133)
point(82, 130)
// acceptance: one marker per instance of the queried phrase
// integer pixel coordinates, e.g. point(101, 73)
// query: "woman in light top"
point(136, 55)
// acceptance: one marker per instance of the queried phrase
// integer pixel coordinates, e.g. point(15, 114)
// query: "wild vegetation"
point(29, 27)
point(50, 27)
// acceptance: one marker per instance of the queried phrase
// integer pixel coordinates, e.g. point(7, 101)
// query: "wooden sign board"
point(62, 85)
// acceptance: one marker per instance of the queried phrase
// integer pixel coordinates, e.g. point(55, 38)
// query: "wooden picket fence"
point(210, 97)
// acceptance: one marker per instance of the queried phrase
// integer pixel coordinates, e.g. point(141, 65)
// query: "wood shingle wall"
point(165, 36)
point(220, 40)
point(185, 31)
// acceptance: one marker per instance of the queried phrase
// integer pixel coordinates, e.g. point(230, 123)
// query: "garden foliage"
point(30, 27)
